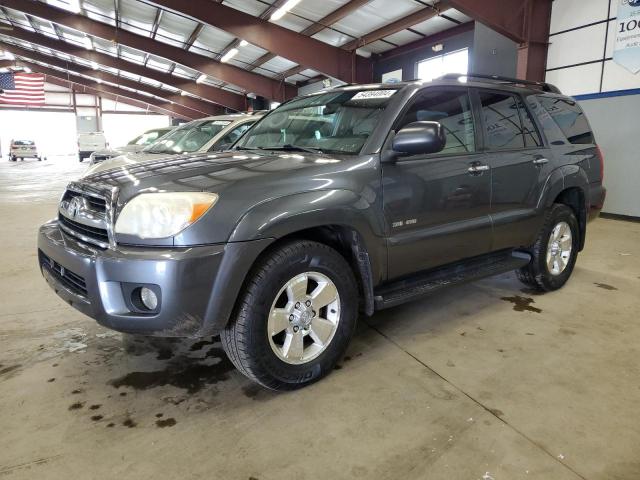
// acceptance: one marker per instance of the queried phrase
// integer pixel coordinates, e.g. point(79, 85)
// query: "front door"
point(437, 206)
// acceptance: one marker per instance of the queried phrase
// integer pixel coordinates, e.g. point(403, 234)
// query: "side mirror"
point(420, 138)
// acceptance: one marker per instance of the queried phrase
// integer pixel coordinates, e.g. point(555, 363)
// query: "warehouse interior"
point(489, 380)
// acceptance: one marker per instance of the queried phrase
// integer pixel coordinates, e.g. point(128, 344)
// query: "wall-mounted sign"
point(392, 77)
point(627, 48)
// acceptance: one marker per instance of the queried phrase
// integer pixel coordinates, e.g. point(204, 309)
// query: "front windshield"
point(333, 122)
point(188, 138)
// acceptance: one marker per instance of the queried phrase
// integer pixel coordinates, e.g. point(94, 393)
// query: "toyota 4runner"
point(350, 200)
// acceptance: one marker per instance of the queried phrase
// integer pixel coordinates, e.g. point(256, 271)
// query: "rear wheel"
point(12, 158)
point(555, 252)
point(295, 317)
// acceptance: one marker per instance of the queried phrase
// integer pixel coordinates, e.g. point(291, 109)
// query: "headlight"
point(160, 215)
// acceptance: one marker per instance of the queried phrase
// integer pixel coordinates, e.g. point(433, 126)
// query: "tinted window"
point(504, 130)
point(452, 110)
point(551, 130)
point(570, 118)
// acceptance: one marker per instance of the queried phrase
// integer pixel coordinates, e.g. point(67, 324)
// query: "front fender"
point(293, 213)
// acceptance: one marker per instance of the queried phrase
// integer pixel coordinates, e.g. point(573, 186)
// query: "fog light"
point(149, 298)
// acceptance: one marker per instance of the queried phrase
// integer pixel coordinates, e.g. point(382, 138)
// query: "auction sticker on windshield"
point(373, 94)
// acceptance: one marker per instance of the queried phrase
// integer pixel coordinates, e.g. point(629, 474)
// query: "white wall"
point(120, 128)
point(581, 46)
point(53, 132)
point(579, 63)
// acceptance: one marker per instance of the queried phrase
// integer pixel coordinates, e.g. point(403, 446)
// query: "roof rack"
point(545, 87)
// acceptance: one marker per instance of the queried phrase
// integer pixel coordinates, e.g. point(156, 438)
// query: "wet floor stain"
point(167, 422)
point(111, 425)
point(183, 372)
point(200, 345)
point(123, 394)
point(51, 380)
point(77, 391)
point(496, 412)
point(76, 406)
point(129, 423)
point(532, 292)
point(95, 407)
point(4, 370)
point(522, 304)
point(604, 286)
point(159, 415)
point(97, 418)
point(256, 392)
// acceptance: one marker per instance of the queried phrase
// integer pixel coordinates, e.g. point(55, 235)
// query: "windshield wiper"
point(294, 148)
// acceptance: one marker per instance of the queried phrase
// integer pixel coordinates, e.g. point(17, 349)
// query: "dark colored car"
point(353, 199)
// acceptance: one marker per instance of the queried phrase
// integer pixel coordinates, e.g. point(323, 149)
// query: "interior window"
point(452, 110)
point(502, 121)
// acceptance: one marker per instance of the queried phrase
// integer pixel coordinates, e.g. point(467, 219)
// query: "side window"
point(502, 123)
point(453, 110)
point(551, 130)
point(231, 137)
point(568, 115)
point(531, 135)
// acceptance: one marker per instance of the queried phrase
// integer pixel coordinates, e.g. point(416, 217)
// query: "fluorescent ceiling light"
point(94, 65)
point(88, 44)
point(229, 55)
point(98, 80)
point(201, 78)
point(243, 43)
point(9, 55)
point(183, 93)
point(26, 70)
point(279, 13)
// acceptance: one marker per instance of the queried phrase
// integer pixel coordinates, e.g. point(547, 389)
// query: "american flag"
point(22, 88)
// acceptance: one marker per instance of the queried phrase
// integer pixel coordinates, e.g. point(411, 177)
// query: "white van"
point(89, 143)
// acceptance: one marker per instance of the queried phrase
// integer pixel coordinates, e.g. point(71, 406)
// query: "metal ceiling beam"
point(196, 107)
point(101, 89)
point(316, 27)
point(279, 40)
point(526, 22)
point(258, 84)
point(334, 17)
point(116, 98)
point(221, 97)
point(395, 27)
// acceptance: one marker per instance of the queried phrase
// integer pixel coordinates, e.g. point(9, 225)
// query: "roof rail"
point(545, 87)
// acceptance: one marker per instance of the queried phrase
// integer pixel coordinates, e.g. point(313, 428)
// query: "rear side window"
point(570, 118)
point(452, 109)
point(507, 123)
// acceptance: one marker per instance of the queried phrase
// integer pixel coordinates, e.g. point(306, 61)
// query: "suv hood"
point(124, 158)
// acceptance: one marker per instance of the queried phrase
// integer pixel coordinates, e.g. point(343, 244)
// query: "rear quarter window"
point(569, 118)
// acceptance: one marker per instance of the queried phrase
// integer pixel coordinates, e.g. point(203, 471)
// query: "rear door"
point(520, 164)
point(436, 206)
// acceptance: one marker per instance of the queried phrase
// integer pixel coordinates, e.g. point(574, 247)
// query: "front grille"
point(96, 203)
point(99, 234)
point(72, 281)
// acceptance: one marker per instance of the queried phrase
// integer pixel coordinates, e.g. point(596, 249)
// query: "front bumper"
point(198, 285)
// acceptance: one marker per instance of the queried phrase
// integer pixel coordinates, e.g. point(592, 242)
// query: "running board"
point(417, 286)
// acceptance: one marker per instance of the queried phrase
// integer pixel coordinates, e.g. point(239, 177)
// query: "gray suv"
point(350, 200)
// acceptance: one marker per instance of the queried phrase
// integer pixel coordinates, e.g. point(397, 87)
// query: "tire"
point(12, 159)
point(539, 274)
point(261, 356)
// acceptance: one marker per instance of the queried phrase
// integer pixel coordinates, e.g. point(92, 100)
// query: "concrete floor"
point(485, 381)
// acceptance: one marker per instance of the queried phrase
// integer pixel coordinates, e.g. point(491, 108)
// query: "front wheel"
point(295, 316)
point(555, 252)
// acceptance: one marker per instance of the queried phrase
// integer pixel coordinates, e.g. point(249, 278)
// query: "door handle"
point(478, 169)
point(540, 161)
